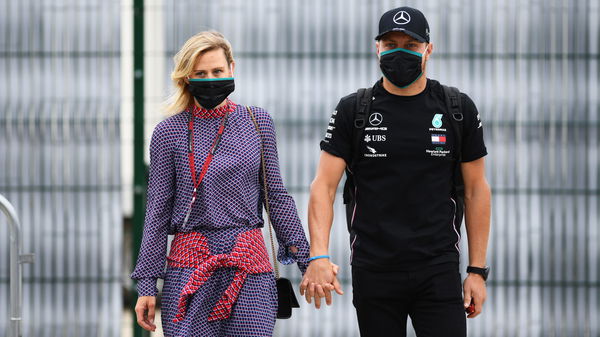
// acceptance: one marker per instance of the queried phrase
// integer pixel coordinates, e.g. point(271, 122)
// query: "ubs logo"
point(375, 138)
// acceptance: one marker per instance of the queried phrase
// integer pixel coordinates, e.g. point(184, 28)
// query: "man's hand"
point(144, 310)
point(475, 292)
point(319, 280)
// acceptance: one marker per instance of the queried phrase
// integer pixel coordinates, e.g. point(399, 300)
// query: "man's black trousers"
point(431, 296)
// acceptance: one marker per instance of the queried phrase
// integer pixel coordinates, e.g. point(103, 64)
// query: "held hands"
point(319, 281)
point(144, 310)
point(474, 293)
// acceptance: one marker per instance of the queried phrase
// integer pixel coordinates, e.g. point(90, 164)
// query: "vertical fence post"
point(139, 176)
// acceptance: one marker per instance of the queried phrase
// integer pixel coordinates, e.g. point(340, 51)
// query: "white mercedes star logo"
point(401, 18)
point(375, 119)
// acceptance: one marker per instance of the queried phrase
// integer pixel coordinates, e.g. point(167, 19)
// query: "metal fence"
point(532, 69)
point(60, 164)
point(531, 66)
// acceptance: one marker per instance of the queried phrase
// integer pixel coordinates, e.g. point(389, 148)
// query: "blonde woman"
point(205, 188)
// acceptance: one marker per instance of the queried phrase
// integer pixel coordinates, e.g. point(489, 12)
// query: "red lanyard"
point(209, 158)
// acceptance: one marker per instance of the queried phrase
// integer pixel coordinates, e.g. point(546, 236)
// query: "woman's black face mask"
point(210, 92)
point(401, 66)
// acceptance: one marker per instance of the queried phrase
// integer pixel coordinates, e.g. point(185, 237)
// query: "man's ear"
point(377, 48)
point(429, 51)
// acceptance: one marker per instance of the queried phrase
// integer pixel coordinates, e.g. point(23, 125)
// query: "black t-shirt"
point(405, 216)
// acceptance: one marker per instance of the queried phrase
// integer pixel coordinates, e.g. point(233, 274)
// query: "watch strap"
point(480, 271)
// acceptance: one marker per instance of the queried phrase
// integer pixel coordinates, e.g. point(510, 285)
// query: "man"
point(406, 206)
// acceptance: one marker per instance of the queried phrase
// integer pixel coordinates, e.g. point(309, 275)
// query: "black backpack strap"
point(360, 114)
point(364, 96)
point(456, 117)
point(362, 110)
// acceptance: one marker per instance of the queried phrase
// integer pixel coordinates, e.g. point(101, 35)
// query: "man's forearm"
point(477, 219)
point(320, 218)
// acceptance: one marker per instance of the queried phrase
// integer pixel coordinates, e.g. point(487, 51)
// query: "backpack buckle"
point(454, 101)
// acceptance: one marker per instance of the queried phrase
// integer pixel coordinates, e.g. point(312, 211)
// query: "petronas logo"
point(437, 121)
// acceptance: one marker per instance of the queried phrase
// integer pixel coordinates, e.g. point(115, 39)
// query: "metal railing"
point(16, 259)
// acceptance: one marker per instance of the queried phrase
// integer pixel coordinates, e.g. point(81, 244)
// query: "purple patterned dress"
point(229, 204)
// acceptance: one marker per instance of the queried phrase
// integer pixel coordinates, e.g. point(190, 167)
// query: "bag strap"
point(364, 97)
point(265, 192)
point(362, 110)
point(456, 117)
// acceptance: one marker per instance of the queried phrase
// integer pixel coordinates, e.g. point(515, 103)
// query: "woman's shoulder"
point(173, 122)
point(170, 126)
point(263, 117)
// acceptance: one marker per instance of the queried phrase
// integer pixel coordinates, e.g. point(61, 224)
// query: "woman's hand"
point(144, 310)
point(335, 269)
point(319, 280)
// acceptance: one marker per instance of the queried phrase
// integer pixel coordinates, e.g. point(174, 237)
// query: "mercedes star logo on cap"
point(402, 18)
point(408, 20)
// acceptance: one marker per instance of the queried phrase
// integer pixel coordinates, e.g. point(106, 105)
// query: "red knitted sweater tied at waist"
point(191, 250)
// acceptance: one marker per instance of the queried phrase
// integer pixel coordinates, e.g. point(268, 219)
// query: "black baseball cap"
point(407, 20)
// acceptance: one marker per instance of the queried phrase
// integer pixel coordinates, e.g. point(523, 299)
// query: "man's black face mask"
point(401, 66)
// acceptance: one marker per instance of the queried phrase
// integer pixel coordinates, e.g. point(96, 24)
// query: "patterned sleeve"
point(284, 214)
point(151, 259)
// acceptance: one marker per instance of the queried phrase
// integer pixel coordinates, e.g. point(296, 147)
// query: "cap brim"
point(407, 32)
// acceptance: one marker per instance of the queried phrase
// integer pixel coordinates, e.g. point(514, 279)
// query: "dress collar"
point(212, 113)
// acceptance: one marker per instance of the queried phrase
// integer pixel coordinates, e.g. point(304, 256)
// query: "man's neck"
point(414, 89)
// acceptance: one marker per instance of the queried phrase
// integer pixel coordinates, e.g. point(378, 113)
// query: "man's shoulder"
point(467, 104)
point(347, 104)
point(439, 87)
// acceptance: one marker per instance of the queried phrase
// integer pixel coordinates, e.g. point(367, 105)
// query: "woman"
point(205, 187)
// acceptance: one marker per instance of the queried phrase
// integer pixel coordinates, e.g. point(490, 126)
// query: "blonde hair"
point(185, 60)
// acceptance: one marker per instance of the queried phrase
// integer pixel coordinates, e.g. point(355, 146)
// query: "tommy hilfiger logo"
point(438, 139)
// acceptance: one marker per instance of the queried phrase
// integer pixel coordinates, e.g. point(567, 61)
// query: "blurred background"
point(81, 82)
